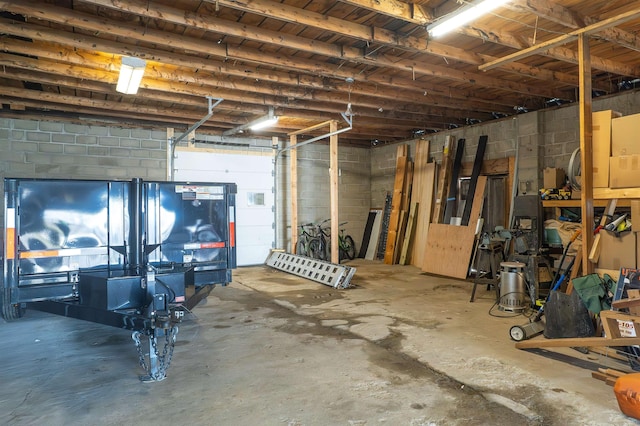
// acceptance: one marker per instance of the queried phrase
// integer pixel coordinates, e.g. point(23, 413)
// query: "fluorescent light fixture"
point(463, 16)
point(266, 121)
point(131, 72)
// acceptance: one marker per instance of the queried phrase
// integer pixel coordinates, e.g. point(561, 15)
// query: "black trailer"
point(130, 254)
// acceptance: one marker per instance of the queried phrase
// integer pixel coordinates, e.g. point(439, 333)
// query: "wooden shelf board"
point(576, 203)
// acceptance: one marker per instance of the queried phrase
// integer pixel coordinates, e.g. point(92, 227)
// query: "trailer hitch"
point(164, 332)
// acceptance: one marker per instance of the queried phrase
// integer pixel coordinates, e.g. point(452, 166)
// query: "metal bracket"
point(175, 141)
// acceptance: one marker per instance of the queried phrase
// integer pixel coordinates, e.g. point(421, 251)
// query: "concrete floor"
point(400, 348)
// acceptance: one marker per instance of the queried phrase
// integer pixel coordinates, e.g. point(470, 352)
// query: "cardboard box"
point(625, 135)
point(624, 171)
point(601, 124)
point(616, 253)
point(554, 178)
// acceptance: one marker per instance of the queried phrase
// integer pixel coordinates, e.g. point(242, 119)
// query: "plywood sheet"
point(449, 247)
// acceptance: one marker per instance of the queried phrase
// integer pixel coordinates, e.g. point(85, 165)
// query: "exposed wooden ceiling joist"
point(305, 59)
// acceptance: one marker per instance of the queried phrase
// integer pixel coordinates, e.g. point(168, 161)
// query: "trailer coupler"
point(161, 342)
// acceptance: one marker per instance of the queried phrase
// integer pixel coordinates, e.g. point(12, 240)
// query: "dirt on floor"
point(399, 347)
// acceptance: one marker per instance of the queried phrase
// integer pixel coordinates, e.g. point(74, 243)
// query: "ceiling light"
point(131, 72)
point(462, 16)
point(263, 122)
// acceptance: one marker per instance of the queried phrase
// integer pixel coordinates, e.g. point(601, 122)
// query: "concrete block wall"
point(561, 126)
point(42, 149)
point(314, 203)
point(544, 138)
point(502, 143)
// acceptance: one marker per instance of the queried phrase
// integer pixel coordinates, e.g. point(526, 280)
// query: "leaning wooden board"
point(423, 216)
point(396, 202)
point(449, 247)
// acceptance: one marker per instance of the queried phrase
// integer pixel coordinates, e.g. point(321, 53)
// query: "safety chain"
point(164, 360)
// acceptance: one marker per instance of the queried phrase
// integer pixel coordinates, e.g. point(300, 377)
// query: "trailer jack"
point(157, 361)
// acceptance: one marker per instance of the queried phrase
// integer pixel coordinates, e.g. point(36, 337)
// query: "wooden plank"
point(586, 148)
point(609, 353)
point(574, 271)
point(396, 203)
point(170, 163)
point(610, 322)
point(402, 229)
point(576, 203)
point(406, 198)
point(449, 248)
point(577, 342)
point(635, 213)
point(423, 216)
point(443, 181)
point(608, 193)
point(495, 166)
point(594, 254)
point(626, 303)
point(613, 273)
point(633, 294)
point(580, 33)
point(293, 173)
point(407, 187)
point(333, 191)
point(408, 237)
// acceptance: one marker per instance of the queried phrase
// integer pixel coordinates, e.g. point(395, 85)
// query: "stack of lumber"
point(399, 201)
point(411, 206)
point(424, 175)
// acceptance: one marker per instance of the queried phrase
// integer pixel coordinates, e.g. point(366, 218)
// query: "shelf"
point(576, 203)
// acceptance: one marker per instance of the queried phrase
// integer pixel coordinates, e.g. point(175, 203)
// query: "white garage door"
point(254, 202)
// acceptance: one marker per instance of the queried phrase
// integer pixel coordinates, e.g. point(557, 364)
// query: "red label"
point(218, 244)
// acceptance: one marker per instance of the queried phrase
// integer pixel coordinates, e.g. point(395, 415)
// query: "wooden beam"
point(311, 128)
point(367, 33)
point(51, 13)
point(577, 342)
point(333, 188)
point(607, 193)
point(594, 254)
point(373, 85)
point(586, 149)
point(293, 185)
point(410, 12)
point(563, 39)
point(574, 19)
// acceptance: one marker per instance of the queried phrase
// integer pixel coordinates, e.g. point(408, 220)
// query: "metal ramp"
point(327, 273)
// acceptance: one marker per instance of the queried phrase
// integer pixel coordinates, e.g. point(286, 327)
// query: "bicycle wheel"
point(302, 248)
point(349, 247)
point(315, 249)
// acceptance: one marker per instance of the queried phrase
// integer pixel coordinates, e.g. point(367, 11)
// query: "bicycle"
point(319, 243)
point(304, 241)
point(346, 245)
